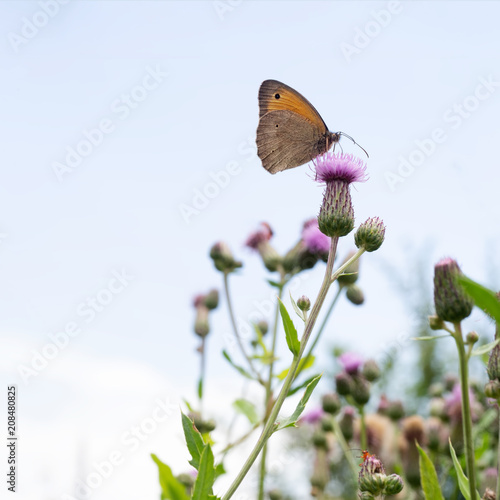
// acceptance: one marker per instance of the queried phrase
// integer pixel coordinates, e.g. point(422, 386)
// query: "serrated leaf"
point(428, 477)
point(463, 482)
point(292, 419)
point(194, 440)
point(485, 349)
point(241, 370)
point(202, 488)
point(296, 389)
point(300, 313)
point(431, 337)
point(304, 364)
point(246, 408)
point(171, 488)
point(292, 338)
point(484, 298)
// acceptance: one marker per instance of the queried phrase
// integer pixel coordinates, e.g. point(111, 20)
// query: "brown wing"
point(275, 96)
point(286, 140)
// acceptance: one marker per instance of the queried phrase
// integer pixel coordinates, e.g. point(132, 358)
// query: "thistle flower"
point(313, 416)
point(314, 240)
point(259, 241)
point(451, 301)
point(454, 404)
point(351, 362)
point(338, 172)
point(370, 235)
point(494, 364)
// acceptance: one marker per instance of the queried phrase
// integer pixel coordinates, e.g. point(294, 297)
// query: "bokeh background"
point(173, 88)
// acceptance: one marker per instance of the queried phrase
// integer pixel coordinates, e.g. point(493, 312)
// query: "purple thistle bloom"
point(453, 404)
point(313, 416)
point(340, 167)
point(351, 362)
point(314, 240)
point(261, 235)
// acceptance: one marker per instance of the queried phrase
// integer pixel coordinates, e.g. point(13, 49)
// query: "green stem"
point(498, 453)
point(466, 413)
point(363, 438)
point(235, 329)
point(269, 394)
point(345, 449)
point(269, 428)
point(201, 383)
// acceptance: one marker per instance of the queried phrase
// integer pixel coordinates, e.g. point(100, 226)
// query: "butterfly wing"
point(286, 139)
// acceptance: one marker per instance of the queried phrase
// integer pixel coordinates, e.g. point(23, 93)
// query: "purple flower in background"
point(453, 404)
point(314, 240)
point(340, 167)
point(351, 362)
point(260, 236)
point(313, 416)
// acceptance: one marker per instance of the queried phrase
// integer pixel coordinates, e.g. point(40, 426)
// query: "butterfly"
point(290, 132)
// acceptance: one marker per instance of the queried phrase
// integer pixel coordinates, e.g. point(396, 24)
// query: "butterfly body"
point(290, 132)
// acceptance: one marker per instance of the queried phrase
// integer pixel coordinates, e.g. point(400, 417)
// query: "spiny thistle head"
point(393, 485)
point(370, 235)
point(331, 403)
point(451, 301)
point(338, 172)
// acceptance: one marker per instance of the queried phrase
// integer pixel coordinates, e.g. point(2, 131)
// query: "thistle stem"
point(345, 449)
point(363, 437)
point(466, 412)
point(498, 453)
point(201, 382)
point(270, 425)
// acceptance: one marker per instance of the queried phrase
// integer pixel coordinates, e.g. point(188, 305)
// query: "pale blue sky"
point(120, 209)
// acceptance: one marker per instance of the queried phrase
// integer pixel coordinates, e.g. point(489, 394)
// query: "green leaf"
point(485, 349)
point(484, 298)
point(188, 405)
point(297, 388)
point(292, 419)
point(463, 482)
point(246, 408)
point(200, 388)
point(292, 338)
point(300, 313)
point(202, 489)
point(171, 488)
point(194, 440)
point(428, 477)
point(275, 284)
point(431, 337)
point(239, 368)
point(219, 470)
point(304, 364)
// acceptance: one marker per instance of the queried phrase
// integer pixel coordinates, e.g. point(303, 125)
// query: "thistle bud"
point(372, 483)
point(450, 381)
point(275, 495)
point(319, 440)
point(326, 423)
point(223, 258)
point(299, 258)
point(494, 363)
point(395, 410)
point(201, 326)
point(472, 338)
point(346, 423)
point(436, 323)
point(451, 301)
point(259, 241)
point(344, 383)
point(212, 299)
point(361, 391)
point(492, 389)
point(370, 235)
point(303, 303)
point(355, 295)
point(371, 370)
point(186, 479)
point(393, 485)
point(331, 403)
point(263, 327)
point(205, 426)
point(351, 272)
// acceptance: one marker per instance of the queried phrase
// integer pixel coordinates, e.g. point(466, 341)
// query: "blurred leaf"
point(219, 470)
point(484, 298)
point(304, 364)
point(188, 405)
point(194, 440)
point(485, 349)
point(239, 368)
point(202, 489)
point(431, 337)
point(292, 338)
point(246, 408)
point(171, 488)
point(428, 477)
point(293, 390)
point(300, 313)
point(261, 342)
point(463, 482)
point(292, 419)
point(275, 284)
point(200, 388)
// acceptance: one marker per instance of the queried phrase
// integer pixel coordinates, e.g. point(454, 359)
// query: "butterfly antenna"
point(360, 147)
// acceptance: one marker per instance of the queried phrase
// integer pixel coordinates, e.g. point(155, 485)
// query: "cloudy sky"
point(127, 146)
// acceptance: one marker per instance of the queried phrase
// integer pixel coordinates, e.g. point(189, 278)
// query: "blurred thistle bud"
point(393, 485)
point(201, 326)
point(186, 479)
point(212, 299)
point(492, 389)
point(450, 381)
point(371, 370)
point(299, 259)
point(434, 431)
point(355, 295)
point(436, 389)
point(275, 495)
point(351, 272)
point(344, 384)
point(437, 408)
point(319, 440)
point(303, 303)
point(331, 403)
point(451, 301)
point(436, 323)
point(361, 390)
point(223, 258)
point(263, 326)
point(472, 338)
point(395, 410)
point(372, 483)
point(414, 429)
point(346, 423)
point(326, 423)
point(489, 494)
point(370, 235)
point(494, 363)
point(259, 241)
point(204, 426)
point(338, 172)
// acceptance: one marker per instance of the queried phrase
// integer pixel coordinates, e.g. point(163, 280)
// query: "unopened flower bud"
point(355, 295)
point(201, 326)
point(371, 370)
point(437, 408)
point(326, 423)
point(223, 258)
point(492, 389)
point(436, 323)
point(472, 338)
point(395, 410)
point(372, 483)
point(263, 327)
point(212, 299)
point(204, 426)
point(344, 383)
point(351, 272)
point(494, 363)
point(346, 423)
point(275, 495)
point(303, 303)
point(370, 235)
point(331, 403)
point(361, 391)
point(299, 258)
point(186, 479)
point(393, 485)
point(451, 301)
point(319, 440)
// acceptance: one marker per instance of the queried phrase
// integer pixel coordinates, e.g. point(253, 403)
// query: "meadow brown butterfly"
point(291, 132)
